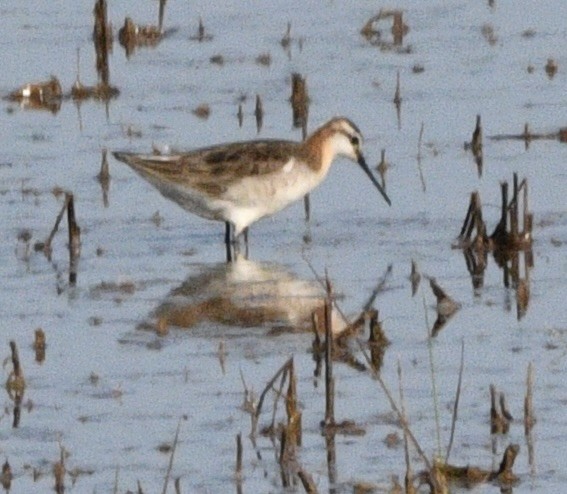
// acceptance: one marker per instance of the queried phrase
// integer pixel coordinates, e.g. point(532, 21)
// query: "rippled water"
point(112, 392)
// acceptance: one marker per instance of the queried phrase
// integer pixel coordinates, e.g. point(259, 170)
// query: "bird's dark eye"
point(355, 141)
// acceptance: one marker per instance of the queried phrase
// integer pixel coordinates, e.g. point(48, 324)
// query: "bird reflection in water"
point(243, 294)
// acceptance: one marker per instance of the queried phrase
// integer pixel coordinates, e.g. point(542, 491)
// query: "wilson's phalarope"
point(242, 182)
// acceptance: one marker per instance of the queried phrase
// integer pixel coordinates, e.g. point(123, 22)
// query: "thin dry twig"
point(170, 465)
point(456, 406)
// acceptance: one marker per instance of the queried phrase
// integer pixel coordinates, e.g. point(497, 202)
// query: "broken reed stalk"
point(170, 464)
point(529, 417)
point(307, 482)
point(101, 37)
point(499, 419)
point(104, 177)
point(47, 243)
point(238, 468)
point(284, 368)
point(299, 102)
point(397, 95)
point(39, 345)
point(74, 239)
point(16, 384)
point(457, 398)
point(419, 167)
point(293, 428)
point(329, 380)
point(240, 115)
point(161, 14)
point(59, 471)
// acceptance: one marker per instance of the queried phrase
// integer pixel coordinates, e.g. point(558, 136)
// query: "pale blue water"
point(147, 383)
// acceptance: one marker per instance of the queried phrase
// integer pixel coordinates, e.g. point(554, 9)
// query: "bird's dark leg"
point(307, 207)
point(228, 240)
point(245, 234)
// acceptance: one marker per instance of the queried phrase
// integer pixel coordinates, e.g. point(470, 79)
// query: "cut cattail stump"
point(39, 345)
point(398, 100)
point(329, 380)
point(16, 384)
point(238, 468)
point(102, 36)
point(240, 115)
point(446, 307)
point(300, 111)
point(383, 167)
point(510, 241)
point(377, 341)
point(335, 348)
point(529, 417)
point(259, 113)
point(299, 102)
point(59, 471)
point(499, 418)
point(415, 277)
point(286, 39)
point(103, 177)
point(6, 477)
point(476, 145)
point(201, 35)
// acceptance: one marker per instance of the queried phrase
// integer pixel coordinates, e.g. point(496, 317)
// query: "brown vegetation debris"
point(551, 68)
point(500, 417)
point(264, 59)
point(446, 307)
point(45, 95)
point(6, 476)
point(132, 35)
point(375, 36)
point(201, 34)
point(203, 111)
point(39, 345)
point(15, 383)
point(470, 476)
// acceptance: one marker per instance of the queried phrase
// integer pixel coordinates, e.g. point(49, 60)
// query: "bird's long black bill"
point(364, 166)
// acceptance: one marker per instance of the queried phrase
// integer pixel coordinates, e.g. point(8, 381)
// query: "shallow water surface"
point(159, 331)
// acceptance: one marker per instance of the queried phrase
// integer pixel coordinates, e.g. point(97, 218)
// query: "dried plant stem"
point(284, 368)
point(433, 379)
point(47, 244)
point(395, 408)
point(409, 475)
point(307, 482)
point(74, 239)
point(529, 417)
point(329, 380)
point(170, 465)
point(456, 406)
